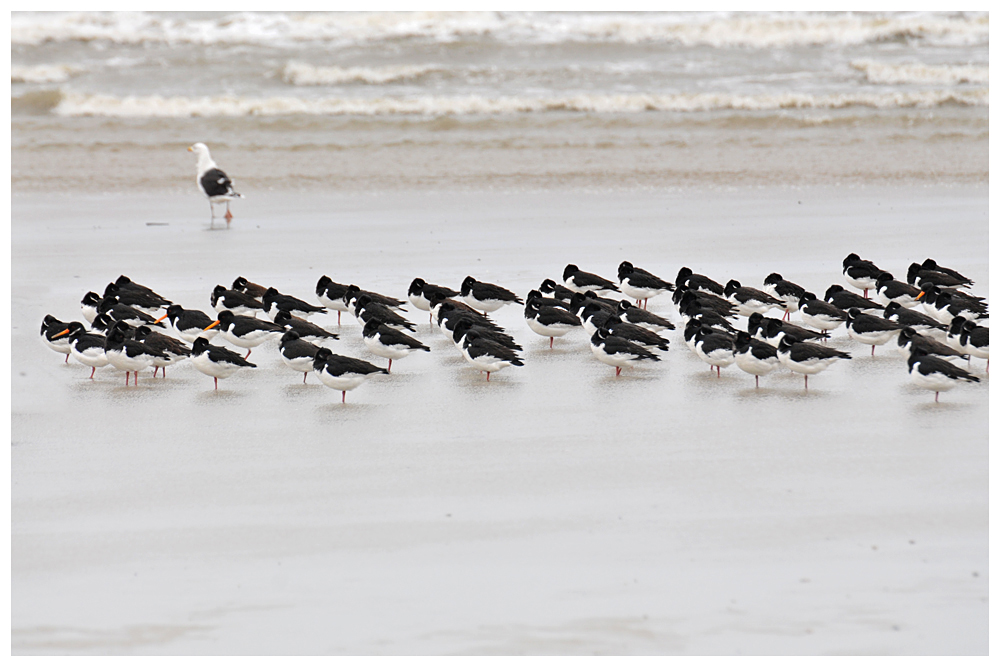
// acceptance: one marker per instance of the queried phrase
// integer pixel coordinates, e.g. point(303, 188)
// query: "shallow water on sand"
point(555, 509)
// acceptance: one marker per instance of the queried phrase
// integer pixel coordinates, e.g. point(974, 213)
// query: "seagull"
point(213, 181)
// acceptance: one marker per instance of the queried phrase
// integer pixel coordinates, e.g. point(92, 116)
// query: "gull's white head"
point(199, 148)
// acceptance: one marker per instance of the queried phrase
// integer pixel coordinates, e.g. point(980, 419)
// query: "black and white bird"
point(241, 284)
point(169, 346)
point(755, 357)
point(274, 302)
point(789, 292)
point(463, 325)
point(807, 358)
point(235, 302)
point(618, 352)
point(366, 310)
point(246, 332)
point(889, 290)
point(342, 373)
point(918, 275)
point(389, 343)
point(635, 315)
point(110, 306)
point(85, 346)
point(715, 348)
point(213, 182)
point(487, 355)
point(89, 304)
point(687, 279)
point(820, 314)
point(976, 341)
point(945, 306)
point(555, 290)
point(331, 295)
point(353, 293)
point(189, 324)
point(930, 265)
point(306, 330)
point(487, 297)
point(640, 284)
point(936, 374)
point(706, 301)
point(217, 362)
point(918, 321)
point(133, 294)
point(844, 299)
point(53, 334)
point(771, 330)
point(546, 301)
point(869, 329)
point(861, 273)
point(705, 311)
point(297, 354)
point(749, 300)
point(910, 342)
point(633, 332)
point(547, 320)
point(594, 316)
point(450, 314)
point(129, 355)
point(581, 281)
point(416, 294)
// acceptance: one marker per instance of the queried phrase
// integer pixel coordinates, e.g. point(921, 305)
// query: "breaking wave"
point(56, 73)
point(302, 74)
point(720, 29)
point(77, 104)
point(898, 73)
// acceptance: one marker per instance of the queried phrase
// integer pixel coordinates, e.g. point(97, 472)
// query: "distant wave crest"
point(76, 104)
point(750, 30)
point(900, 73)
point(55, 73)
point(303, 74)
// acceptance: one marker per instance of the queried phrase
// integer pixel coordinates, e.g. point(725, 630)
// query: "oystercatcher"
point(861, 273)
point(936, 374)
point(640, 284)
point(297, 354)
point(172, 348)
point(557, 291)
point(754, 356)
point(749, 300)
point(416, 294)
point(844, 299)
point(241, 284)
point(789, 292)
point(487, 355)
point(889, 290)
point(906, 317)
point(715, 348)
point(213, 182)
point(464, 324)
point(53, 333)
point(331, 295)
point(633, 332)
point(807, 358)
point(910, 342)
point(189, 324)
point(930, 265)
point(130, 355)
point(119, 311)
point(686, 279)
point(976, 341)
point(247, 332)
point(547, 320)
point(487, 297)
point(367, 310)
point(917, 275)
point(235, 302)
point(581, 281)
point(635, 315)
point(870, 330)
point(86, 347)
point(389, 343)
point(218, 362)
point(274, 302)
point(771, 330)
point(820, 314)
point(307, 331)
point(618, 352)
point(342, 373)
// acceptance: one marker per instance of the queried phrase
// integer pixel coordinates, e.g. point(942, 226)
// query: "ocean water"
point(522, 100)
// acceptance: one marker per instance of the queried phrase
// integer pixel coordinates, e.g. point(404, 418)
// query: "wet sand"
point(555, 510)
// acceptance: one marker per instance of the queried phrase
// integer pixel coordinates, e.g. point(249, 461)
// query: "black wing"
point(215, 182)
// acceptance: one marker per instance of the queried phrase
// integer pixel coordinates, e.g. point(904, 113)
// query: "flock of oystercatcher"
point(932, 319)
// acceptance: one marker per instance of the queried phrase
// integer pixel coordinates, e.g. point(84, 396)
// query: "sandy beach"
point(554, 510)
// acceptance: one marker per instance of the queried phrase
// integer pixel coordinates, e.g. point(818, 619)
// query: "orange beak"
point(190, 149)
point(920, 295)
point(61, 333)
point(160, 320)
point(213, 324)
